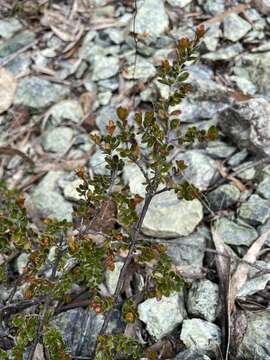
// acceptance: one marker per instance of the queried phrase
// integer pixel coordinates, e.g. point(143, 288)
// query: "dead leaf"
point(223, 264)
point(240, 275)
point(106, 218)
point(87, 100)
point(8, 85)
point(224, 173)
point(7, 150)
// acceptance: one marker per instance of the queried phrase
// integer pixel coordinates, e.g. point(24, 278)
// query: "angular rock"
point(105, 68)
point(247, 124)
point(38, 93)
point(162, 316)
point(180, 3)
point(111, 277)
point(170, 217)
point(255, 211)
point(135, 179)
point(15, 43)
point(225, 53)
point(9, 26)
point(57, 140)
point(144, 70)
point(219, 149)
point(223, 197)
point(235, 234)
point(263, 188)
point(191, 355)
point(214, 7)
point(201, 335)
point(98, 163)
point(48, 202)
point(235, 27)
point(155, 24)
point(256, 340)
point(201, 169)
point(203, 300)
point(70, 110)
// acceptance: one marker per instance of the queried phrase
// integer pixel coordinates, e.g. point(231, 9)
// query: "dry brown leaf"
point(240, 275)
point(8, 85)
point(224, 173)
point(87, 100)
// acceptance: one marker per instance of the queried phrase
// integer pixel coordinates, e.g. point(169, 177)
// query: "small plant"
point(63, 254)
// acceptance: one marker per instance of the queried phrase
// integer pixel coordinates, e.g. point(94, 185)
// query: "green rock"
point(255, 211)
point(9, 26)
point(235, 234)
point(223, 197)
point(57, 140)
point(15, 43)
point(263, 188)
point(235, 27)
point(38, 93)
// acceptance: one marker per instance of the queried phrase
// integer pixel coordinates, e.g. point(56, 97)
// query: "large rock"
point(15, 43)
point(201, 335)
point(170, 217)
point(58, 140)
point(38, 93)
point(190, 354)
point(105, 68)
point(235, 27)
point(235, 234)
point(162, 316)
point(256, 340)
point(67, 110)
point(247, 124)
point(203, 300)
point(155, 24)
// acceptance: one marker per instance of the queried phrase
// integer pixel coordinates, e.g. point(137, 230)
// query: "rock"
point(111, 277)
point(187, 253)
point(21, 262)
point(105, 68)
point(256, 69)
point(168, 216)
point(70, 110)
point(211, 38)
point(38, 93)
point(201, 170)
point(225, 53)
point(162, 316)
point(15, 43)
point(180, 3)
point(144, 70)
point(58, 139)
point(98, 163)
point(245, 85)
point(256, 281)
point(235, 27)
point(8, 85)
point(135, 179)
point(263, 6)
point(256, 341)
point(70, 190)
point(203, 300)
point(263, 228)
point(48, 202)
point(255, 211)
point(263, 188)
point(223, 197)
point(191, 355)
point(238, 158)
point(201, 335)
point(155, 24)
point(235, 234)
point(246, 123)
point(9, 26)
point(214, 7)
point(219, 149)
point(20, 64)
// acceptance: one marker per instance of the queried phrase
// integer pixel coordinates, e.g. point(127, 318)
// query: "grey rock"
point(246, 123)
point(144, 70)
point(225, 53)
point(256, 341)
point(187, 253)
point(162, 316)
point(57, 140)
point(116, 35)
point(214, 7)
point(111, 277)
point(238, 158)
point(255, 68)
point(223, 197)
point(245, 85)
point(180, 3)
point(15, 43)
point(21, 262)
point(20, 64)
point(211, 38)
point(201, 170)
point(70, 190)
point(256, 210)
point(235, 234)
point(155, 24)
point(9, 26)
point(73, 324)
point(105, 68)
point(262, 229)
point(70, 110)
point(263, 188)
point(98, 163)
point(39, 93)
point(170, 217)
point(200, 335)
point(263, 6)
point(48, 202)
point(235, 27)
point(135, 179)
point(219, 149)
point(203, 299)
point(191, 355)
